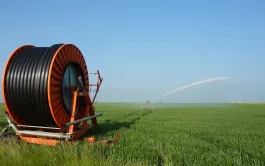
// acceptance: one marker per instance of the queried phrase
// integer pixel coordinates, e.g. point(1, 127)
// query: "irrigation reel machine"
point(47, 94)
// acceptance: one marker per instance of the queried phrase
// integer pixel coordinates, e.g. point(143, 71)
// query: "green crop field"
point(173, 134)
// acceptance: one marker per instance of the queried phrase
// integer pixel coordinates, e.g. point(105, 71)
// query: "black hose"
point(26, 84)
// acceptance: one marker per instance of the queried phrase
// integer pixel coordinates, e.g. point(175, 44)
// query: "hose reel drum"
point(47, 89)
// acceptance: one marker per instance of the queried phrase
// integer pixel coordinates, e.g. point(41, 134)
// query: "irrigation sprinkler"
point(46, 92)
point(147, 106)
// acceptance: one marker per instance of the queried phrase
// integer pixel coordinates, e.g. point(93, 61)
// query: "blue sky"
point(146, 48)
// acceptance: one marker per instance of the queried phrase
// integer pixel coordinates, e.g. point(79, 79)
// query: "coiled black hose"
point(26, 84)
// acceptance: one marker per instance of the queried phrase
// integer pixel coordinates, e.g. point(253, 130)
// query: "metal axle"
point(40, 127)
point(81, 120)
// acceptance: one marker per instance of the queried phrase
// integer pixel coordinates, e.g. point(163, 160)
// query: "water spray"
point(192, 84)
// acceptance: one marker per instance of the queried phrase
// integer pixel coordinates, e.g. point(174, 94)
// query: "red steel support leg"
point(84, 125)
point(89, 107)
point(94, 120)
point(71, 128)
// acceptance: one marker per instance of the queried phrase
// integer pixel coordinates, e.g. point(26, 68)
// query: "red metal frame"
point(99, 81)
point(72, 130)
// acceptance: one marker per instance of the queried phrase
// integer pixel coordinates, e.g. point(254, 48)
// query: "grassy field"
point(173, 134)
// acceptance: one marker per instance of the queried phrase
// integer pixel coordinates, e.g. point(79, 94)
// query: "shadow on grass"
point(113, 125)
point(108, 127)
point(3, 123)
